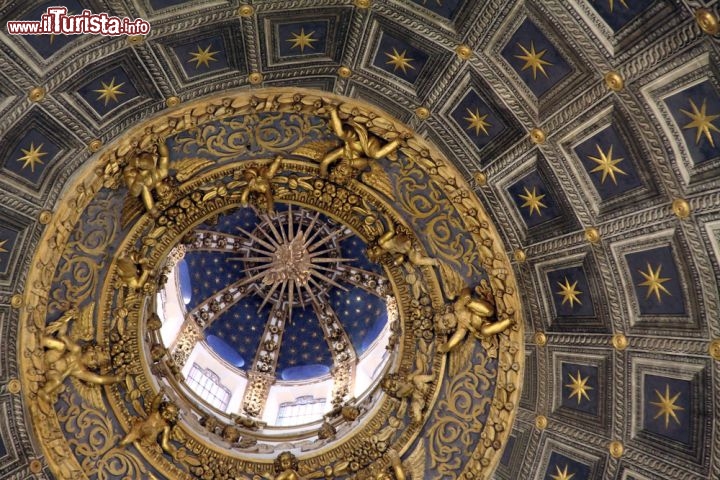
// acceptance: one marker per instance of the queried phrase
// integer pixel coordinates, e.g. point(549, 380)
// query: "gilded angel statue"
point(468, 313)
point(359, 147)
point(396, 470)
point(65, 357)
point(144, 173)
point(411, 387)
point(285, 467)
point(258, 181)
point(161, 417)
point(133, 271)
point(399, 245)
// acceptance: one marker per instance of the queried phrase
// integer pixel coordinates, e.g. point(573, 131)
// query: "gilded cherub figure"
point(258, 181)
point(359, 147)
point(470, 312)
point(399, 245)
point(160, 419)
point(411, 387)
point(133, 271)
point(396, 471)
point(285, 467)
point(145, 171)
point(66, 358)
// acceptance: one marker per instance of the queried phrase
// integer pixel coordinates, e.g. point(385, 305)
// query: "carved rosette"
point(201, 188)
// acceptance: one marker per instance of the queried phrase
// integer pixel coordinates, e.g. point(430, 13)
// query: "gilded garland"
point(99, 387)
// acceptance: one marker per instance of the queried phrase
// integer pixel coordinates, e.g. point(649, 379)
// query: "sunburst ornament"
point(478, 122)
point(568, 293)
point(654, 282)
point(607, 165)
point(562, 474)
point(2, 246)
point(110, 91)
point(667, 406)
point(203, 56)
point(533, 201)
point(32, 156)
point(579, 387)
point(533, 60)
point(399, 60)
point(293, 256)
point(701, 121)
point(302, 40)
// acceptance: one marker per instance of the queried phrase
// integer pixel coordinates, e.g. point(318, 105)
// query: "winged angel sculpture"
point(359, 151)
point(65, 357)
point(469, 312)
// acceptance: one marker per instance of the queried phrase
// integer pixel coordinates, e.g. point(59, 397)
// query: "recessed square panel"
point(202, 56)
point(444, 8)
point(47, 45)
point(301, 39)
point(31, 156)
point(478, 121)
point(668, 407)
point(571, 292)
point(399, 58)
point(608, 163)
point(618, 13)
point(580, 387)
point(561, 467)
point(507, 453)
point(656, 282)
point(8, 240)
point(538, 63)
point(533, 200)
point(108, 91)
point(160, 4)
point(696, 111)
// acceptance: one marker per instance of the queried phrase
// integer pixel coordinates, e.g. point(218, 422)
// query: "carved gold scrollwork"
point(246, 133)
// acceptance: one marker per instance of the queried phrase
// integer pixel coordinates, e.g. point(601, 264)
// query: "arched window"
point(304, 409)
point(206, 384)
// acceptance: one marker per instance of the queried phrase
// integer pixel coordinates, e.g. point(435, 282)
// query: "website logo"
point(57, 21)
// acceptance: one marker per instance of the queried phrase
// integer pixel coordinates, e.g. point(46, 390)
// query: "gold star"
point(606, 164)
point(611, 2)
point(203, 57)
point(32, 156)
point(569, 293)
point(398, 60)
point(532, 201)
point(301, 40)
point(533, 60)
point(562, 475)
point(110, 92)
point(701, 121)
point(2, 244)
point(654, 282)
point(477, 122)
point(579, 387)
point(666, 406)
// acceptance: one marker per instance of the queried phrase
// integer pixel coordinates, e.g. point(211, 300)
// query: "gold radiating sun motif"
point(653, 282)
point(399, 60)
point(579, 387)
point(32, 156)
point(203, 56)
point(666, 406)
point(109, 91)
point(302, 40)
point(533, 201)
point(533, 60)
